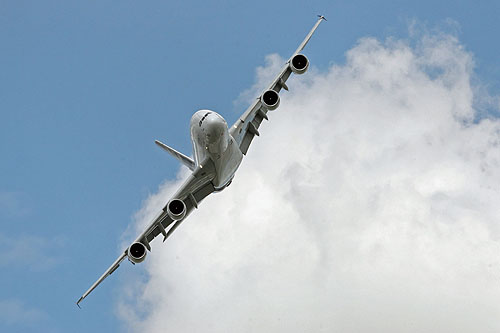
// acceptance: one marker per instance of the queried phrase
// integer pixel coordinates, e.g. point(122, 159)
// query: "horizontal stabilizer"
point(181, 157)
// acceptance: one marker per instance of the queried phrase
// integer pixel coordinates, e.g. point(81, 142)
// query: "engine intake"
point(299, 64)
point(270, 99)
point(137, 252)
point(176, 209)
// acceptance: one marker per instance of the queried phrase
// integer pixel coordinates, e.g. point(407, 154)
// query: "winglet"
point(78, 303)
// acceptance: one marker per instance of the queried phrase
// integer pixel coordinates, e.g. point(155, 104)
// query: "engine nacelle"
point(176, 209)
point(270, 99)
point(299, 64)
point(137, 252)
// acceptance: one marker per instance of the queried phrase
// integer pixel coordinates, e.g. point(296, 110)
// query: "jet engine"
point(176, 209)
point(136, 252)
point(270, 99)
point(299, 64)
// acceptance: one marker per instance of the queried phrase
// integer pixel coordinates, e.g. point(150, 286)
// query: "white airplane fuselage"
point(211, 139)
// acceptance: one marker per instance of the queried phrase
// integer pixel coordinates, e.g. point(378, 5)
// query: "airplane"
point(218, 152)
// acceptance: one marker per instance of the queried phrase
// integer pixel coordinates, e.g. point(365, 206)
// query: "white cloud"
point(368, 203)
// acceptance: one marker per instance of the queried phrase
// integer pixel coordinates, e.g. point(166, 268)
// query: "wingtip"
point(78, 303)
point(160, 144)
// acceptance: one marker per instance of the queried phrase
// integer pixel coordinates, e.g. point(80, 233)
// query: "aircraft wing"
point(246, 127)
point(199, 185)
point(193, 191)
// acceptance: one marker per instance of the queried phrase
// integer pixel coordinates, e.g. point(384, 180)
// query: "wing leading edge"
point(246, 127)
point(197, 187)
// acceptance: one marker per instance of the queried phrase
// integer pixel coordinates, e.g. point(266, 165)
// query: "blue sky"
point(85, 89)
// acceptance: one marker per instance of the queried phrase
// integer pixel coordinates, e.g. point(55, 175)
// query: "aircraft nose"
point(214, 128)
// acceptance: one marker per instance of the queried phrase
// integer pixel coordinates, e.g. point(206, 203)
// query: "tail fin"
point(181, 157)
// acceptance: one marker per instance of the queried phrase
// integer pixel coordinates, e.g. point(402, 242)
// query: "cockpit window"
point(206, 114)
